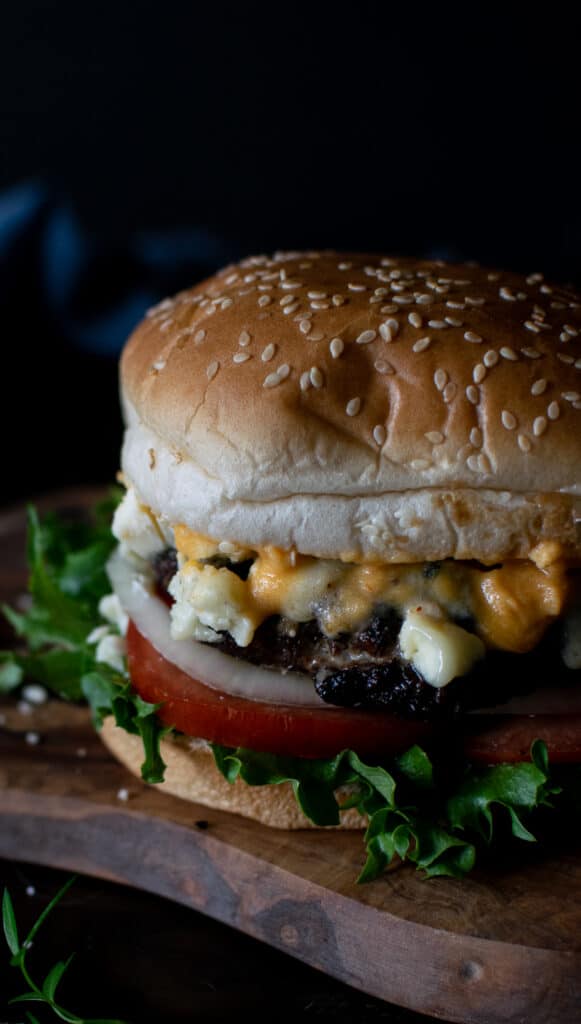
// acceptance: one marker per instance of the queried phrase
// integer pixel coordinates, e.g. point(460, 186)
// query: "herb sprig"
point(45, 992)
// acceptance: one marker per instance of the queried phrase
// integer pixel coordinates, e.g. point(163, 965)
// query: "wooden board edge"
point(465, 979)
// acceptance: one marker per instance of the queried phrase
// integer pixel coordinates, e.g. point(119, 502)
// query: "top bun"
point(407, 401)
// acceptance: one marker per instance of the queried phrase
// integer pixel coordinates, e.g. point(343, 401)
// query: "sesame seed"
point(32, 738)
point(277, 377)
point(506, 293)
point(268, 352)
point(165, 326)
point(336, 347)
point(389, 329)
point(286, 300)
point(357, 287)
point(539, 386)
point(564, 336)
point(403, 300)
point(379, 435)
point(317, 304)
point(490, 358)
point(453, 304)
point(415, 319)
point(472, 463)
point(344, 266)
point(539, 426)
point(423, 300)
point(422, 344)
point(241, 357)
point(472, 337)
point(479, 373)
point(508, 419)
point(554, 411)
point(434, 437)
point(317, 295)
point(264, 300)
point(453, 321)
point(382, 366)
point(437, 324)
point(199, 337)
point(226, 303)
point(315, 336)
point(212, 369)
point(508, 353)
point(291, 309)
point(530, 326)
point(571, 330)
point(305, 381)
point(316, 377)
point(568, 360)
point(476, 437)
point(534, 278)
point(531, 353)
point(472, 394)
point(244, 339)
point(440, 379)
point(338, 300)
point(159, 364)
point(449, 392)
point(524, 443)
point(291, 284)
point(389, 309)
point(305, 326)
point(366, 337)
point(571, 396)
point(353, 406)
point(477, 300)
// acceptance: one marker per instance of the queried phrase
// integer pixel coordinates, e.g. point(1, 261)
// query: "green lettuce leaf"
point(67, 558)
point(438, 828)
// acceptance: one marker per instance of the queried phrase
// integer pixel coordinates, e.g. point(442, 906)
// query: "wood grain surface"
point(501, 946)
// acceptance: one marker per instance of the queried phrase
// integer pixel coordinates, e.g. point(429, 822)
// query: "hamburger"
point(349, 547)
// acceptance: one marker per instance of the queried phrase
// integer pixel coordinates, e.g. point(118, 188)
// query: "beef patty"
point(364, 669)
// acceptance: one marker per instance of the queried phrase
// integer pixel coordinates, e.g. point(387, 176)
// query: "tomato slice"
point(509, 739)
point(197, 710)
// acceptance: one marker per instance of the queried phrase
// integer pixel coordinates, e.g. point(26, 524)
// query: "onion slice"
point(213, 668)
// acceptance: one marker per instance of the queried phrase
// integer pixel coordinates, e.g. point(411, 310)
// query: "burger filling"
point(418, 639)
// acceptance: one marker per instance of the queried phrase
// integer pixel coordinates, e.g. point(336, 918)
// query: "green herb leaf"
point(9, 923)
point(50, 983)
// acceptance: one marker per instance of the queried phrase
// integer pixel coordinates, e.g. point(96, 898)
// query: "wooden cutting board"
point(501, 946)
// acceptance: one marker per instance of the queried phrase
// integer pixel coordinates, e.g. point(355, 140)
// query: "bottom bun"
point(191, 774)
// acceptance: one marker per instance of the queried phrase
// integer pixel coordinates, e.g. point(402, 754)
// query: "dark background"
point(150, 143)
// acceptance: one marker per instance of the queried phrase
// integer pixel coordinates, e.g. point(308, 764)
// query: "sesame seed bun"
point(191, 774)
point(361, 406)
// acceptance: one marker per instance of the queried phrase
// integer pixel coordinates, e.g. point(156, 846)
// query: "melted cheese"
point(439, 650)
point(511, 606)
